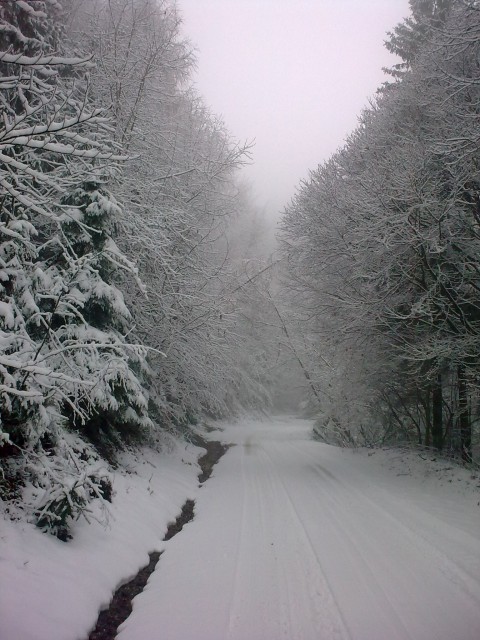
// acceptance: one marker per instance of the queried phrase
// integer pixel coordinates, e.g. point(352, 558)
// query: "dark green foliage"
point(57, 513)
point(68, 503)
point(109, 432)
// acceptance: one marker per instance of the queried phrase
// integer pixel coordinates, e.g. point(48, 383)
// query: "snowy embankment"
point(52, 590)
point(291, 539)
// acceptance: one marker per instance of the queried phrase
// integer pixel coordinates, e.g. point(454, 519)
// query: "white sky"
point(293, 75)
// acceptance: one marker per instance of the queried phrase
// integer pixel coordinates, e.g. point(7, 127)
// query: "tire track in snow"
point(328, 511)
point(367, 572)
point(239, 542)
point(467, 581)
point(288, 597)
point(263, 489)
point(452, 570)
point(404, 539)
point(262, 592)
point(257, 498)
point(340, 628)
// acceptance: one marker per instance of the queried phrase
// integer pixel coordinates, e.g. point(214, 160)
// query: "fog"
point(291, 75)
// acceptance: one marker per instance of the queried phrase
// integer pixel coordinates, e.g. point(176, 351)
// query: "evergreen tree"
point(64, 359)
point(408, 39)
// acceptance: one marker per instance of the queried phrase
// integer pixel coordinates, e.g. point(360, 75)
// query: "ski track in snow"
point(298, 540)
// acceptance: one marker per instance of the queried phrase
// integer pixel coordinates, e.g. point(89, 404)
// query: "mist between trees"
point(136, 293)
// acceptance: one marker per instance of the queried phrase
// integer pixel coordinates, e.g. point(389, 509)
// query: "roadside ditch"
point(120, 606)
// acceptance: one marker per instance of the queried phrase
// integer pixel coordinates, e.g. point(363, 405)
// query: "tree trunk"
point(428, 418)
point(437, 414)
point(464, 418)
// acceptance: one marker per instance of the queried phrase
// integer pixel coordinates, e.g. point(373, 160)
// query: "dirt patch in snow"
point(185, 516)
point(121, 604)
point(215, 450)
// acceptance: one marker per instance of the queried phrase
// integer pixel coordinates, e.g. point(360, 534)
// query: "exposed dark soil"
point(185, 516)
point(121, 604)
point(215, 450)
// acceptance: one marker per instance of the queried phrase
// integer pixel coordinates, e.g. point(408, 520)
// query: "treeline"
point(120, 305)
point(382, 247)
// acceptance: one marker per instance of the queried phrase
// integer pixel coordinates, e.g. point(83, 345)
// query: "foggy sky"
point(293, 75)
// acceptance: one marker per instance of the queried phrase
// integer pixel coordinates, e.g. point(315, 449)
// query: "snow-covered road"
point(298, 540)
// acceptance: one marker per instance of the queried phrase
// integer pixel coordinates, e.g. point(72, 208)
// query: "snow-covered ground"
point(299, 540)
point(291, 539)
point(51, 590)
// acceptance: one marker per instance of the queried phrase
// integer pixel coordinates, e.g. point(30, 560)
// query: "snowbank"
point(51, 590)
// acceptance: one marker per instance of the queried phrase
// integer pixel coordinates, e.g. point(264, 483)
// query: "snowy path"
point(297, 540)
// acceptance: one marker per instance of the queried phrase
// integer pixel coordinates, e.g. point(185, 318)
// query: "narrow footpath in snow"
point(299, 540)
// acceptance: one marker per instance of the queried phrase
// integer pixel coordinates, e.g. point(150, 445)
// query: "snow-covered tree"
point(64, 360)
point(180, 194)
point(382, 240)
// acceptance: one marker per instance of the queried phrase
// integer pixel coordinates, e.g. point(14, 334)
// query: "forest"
point(382, 248)
point(138, 291)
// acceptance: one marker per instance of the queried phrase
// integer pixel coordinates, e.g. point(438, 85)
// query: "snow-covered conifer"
point(64, 358)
